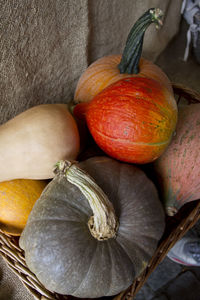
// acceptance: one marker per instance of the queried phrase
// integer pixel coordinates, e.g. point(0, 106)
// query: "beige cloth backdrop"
point(45, 45)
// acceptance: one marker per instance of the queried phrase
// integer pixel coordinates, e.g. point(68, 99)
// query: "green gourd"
point(94, 228)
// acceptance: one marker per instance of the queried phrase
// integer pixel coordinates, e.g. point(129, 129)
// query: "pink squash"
point(178, 168)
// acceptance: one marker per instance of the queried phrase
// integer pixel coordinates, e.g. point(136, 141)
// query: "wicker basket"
point(176, 227)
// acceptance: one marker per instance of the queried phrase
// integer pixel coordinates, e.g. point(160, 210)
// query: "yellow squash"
point(17, 198)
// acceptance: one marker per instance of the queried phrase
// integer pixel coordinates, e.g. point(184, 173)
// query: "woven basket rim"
point(14, 256)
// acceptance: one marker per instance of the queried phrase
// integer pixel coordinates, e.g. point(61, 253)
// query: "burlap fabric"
point(45, 45)
point(11, 288)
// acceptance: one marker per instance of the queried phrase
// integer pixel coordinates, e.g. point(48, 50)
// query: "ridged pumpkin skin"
point(104, 72)
point(178, 169)
point(60, 249)
point(132, 120)
point(16, 202)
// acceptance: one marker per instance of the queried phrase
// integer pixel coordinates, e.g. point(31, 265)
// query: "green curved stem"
point(132, 52)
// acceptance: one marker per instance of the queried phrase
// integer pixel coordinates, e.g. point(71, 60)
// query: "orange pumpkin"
point(131, 120)
point(17, 198)
point(112, 68)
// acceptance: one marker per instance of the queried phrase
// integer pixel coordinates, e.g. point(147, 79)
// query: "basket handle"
point(186, 92)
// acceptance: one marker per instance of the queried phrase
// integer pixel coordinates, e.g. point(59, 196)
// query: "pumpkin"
point(79, 242)
point(111, 68)
point(131, 120)
point(178, 169)
point(17, 199)
point(36, 139)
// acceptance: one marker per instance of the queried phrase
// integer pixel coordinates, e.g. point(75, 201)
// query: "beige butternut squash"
point(33, 141)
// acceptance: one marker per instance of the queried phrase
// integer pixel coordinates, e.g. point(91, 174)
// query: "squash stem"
point(133, 50)
point(103, 223)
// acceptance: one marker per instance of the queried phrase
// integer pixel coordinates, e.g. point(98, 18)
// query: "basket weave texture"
point(176, 227)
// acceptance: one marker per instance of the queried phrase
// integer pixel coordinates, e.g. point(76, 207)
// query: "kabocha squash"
point(131, 120)
point(112, 68)
point(78, 243)
point(178, 169)
point(17, 198)
point(36, 139)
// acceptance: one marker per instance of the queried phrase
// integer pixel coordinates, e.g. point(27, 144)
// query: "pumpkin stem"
point(103, 224)
point(133, 50)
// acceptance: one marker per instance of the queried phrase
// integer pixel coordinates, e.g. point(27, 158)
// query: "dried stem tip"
point(103, 224)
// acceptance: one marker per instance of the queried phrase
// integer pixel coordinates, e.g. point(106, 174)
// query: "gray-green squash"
point(97, 249)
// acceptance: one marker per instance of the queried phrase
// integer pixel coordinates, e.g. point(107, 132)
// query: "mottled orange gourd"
point(17, 198)
point(128, 102)
point(131, 120)
point(111, 68)
point(104, 72)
